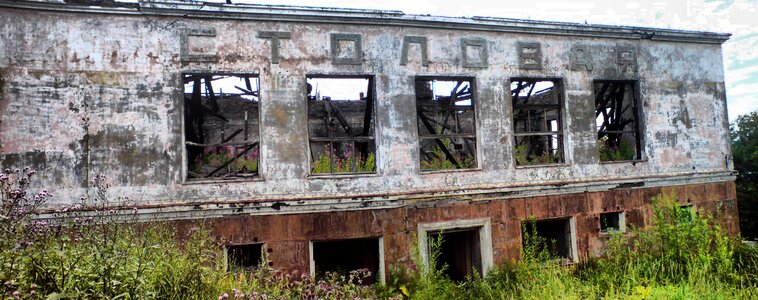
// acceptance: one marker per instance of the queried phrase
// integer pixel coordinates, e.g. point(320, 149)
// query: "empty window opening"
point(612, 222)
point(537, 121)
point(446, 123)
point(221, 125)
point(617, 120)
point(341, 124)
point(246, 257)
point(549, 239)
point(686, 213)
point(458, 252)
point(343, 256)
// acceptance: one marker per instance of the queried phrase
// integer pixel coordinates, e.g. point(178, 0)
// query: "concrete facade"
point(88, 90)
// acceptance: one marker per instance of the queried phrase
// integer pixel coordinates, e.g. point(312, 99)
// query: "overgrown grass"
point(680, 256)
point(95, 255)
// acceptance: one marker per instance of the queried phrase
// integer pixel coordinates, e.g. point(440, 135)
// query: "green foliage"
point(344, 164)
point(437, 160)
point(745, 154)
point(535, 248)
point(624, 151)
point(100, 252)
point(681, 255)
point(267, 283)
point(678, 248)
point(214, 157)
point(524, 158)
point(96, 252)
point(19, 233)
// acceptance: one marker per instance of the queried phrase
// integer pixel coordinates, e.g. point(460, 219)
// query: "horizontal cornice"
point(183, 209)
point(299, 14)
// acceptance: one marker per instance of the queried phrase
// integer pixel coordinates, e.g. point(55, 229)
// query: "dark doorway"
point(459, 250)
point(343, 256)
point(244, 256)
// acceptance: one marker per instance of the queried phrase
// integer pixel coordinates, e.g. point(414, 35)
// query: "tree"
point(745, 152)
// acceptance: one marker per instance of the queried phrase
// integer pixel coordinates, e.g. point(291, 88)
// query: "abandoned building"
point(334, 139)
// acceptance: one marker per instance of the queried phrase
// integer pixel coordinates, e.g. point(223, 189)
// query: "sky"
point(738, 17)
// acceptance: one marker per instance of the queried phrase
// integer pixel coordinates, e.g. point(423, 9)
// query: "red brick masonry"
point(287, 236)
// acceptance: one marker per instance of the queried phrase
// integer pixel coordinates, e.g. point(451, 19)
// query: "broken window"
point(616, 117)
point(343, 256)
point(446, 124)
point(548, 239)
point(458, 252)
point(221, 125)
point(537, 121)
point(612, 222)
point(341, 124)
point(244, 256)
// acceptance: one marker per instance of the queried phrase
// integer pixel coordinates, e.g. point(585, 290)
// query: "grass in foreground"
point(95, 255)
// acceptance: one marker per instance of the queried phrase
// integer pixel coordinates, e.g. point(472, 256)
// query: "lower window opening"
point(686, 213)
point(612, 222)
point(551, 237)
point(244, 256)
point(344, 256)
point(458, 252)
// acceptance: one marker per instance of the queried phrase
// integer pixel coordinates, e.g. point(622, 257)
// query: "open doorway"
point(458, 252)
point(465, 246)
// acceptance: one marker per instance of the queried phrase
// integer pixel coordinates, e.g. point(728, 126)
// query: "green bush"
point(624, 151)
point(95, 251)
point(437, 160)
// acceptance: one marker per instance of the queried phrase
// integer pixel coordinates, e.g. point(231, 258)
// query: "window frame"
point(371, 91)
point(257, 176)
point(637, 107)
point(483, 225)
point(560, 94)
point(473, 135)
point(572, 236)
point(621, 218)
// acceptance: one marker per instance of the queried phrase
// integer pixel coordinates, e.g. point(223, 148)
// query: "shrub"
point(98, 250)
point(95, 250)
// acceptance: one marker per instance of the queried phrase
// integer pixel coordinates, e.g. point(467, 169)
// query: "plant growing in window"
point(446, 123)
point(537, 121)
point(617, 120)
point(341, 124)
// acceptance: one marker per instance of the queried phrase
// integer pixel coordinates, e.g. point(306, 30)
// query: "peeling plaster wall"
point(86, 94)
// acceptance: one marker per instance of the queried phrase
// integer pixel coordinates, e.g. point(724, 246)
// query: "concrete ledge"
point(413, 199)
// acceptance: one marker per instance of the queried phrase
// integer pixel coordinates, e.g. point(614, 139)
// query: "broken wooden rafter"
point(247, 91)
point(343, 122)
point(439, 142)
point(234, 143)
